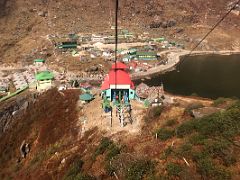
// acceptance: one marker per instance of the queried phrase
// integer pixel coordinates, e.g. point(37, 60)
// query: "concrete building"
point(98, 38)
point(44, 80)
point(128, 58)
point(39, 62)
point(145, 56)
point(19, 81)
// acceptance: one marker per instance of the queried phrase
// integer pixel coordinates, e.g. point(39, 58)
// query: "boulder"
point(42, 13)
point(205, 111)
point(164, 24)
point(179, 30)
point(171, 23)
point(24, 149)
point(155, 25)
point(93, 69)
point(157, 18)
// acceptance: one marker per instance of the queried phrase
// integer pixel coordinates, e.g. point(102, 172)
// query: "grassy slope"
point(210, 145)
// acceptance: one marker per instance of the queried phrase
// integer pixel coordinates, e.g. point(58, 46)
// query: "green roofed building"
point(44, 80)
point(128, 58)
point(67, 45)
point(132, 51)
point(3, 89)
point(146, 56)
point(39, 62)
point(161, 39)
point(44, 75)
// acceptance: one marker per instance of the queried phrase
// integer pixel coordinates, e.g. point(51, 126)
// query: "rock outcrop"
point(13, 110)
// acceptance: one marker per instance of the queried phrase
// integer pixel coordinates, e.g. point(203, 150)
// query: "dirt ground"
point(51, 118)
point(56, 132)
point(55, 129)
point(93, 115)
point(53, 125)
point(24, 29)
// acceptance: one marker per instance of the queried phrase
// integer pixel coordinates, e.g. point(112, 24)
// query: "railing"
point(14, 94)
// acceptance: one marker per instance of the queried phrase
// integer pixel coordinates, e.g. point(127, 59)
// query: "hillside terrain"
point(26, 24)
point(170, 145)
point(53, 135)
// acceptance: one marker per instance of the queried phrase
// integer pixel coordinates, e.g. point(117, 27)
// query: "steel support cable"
point(116, 40)
point(211, 30)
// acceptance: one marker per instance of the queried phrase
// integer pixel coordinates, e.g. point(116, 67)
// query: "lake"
point(209, 76)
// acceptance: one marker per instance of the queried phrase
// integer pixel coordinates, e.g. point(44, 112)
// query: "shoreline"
point(174, 58)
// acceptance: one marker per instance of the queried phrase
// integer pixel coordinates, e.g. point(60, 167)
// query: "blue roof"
point(86, 97)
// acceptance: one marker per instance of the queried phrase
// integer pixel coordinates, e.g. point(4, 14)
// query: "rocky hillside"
point(41, 136)
point(25, 24)
point(171, 145)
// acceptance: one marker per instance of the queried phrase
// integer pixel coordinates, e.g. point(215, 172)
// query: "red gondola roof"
point(105, 84)
point(119, 65)
point(117, 77)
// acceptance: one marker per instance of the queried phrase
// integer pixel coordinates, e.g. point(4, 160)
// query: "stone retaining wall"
point(13, 109)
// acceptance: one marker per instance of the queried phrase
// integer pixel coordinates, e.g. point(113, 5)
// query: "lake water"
point(209, 76)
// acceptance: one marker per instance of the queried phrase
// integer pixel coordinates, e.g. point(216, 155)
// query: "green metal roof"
point(45, 75)
point(129, 56)
point(39, 60)
point(133, 49)
point(65, 46)
point(146, 54)
point(86, 97)
point(3, 88)
point(172, 43)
